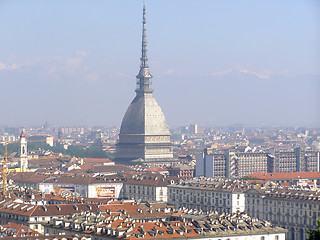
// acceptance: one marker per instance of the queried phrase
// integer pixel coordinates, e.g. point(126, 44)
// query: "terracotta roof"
point(46, 210)
point(188, 225)
point(45, 162)
point(11, 229)
point(96, 160)
point(39, 197)
point(51, 237)
point(86, 166)
point(136, 211)
point(156, 169)
point(150, 227)
point(28, 177)
point(285, 175)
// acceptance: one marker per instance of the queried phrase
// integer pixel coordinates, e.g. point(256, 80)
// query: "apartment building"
point(34, 216)
point(205, 194)
point(230, 163)
point(103, 187)
point(184, 225)
point(291, 208)
point(148, 187)
point(106, 187)
point(293, 160)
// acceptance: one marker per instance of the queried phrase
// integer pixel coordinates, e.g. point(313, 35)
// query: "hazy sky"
point(214, 62)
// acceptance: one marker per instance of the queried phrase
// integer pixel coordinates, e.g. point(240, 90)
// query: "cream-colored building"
point(149, 187)
point(34, 216)
point(90, 187)
point(205, 194)
point(187, 226)
point(294, 209)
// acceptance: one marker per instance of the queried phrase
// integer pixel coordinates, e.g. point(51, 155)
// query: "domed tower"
point(144, 131)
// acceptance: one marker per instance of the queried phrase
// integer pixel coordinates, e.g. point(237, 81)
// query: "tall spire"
point(144, 58)
point(144, 77)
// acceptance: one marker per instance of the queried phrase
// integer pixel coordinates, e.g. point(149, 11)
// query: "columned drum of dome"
point(144, 131)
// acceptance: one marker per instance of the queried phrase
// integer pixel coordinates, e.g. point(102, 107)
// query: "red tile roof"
point(96, 160)
point(156, 169)
point(46, 210)
point(286, 175)
point(18, 230)
point(151, 227)
point(136, 211)
point(28, 177)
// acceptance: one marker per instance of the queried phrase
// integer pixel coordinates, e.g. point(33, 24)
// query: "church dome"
point(144, 132)
point(144, 116)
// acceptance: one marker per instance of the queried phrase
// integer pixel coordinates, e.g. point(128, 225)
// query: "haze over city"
point(160, 120)
point(213, 62)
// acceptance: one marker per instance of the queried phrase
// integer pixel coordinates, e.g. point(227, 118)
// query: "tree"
point(314, 234)
point(77, 151)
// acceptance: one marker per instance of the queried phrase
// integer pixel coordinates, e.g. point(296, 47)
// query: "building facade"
point(89, 187)
point(208, 195)
point(298, 159)
point(144, 188)
point(34, 216)
point(180, 225)
point(230, 163)
point(293, 209)
point(235, 164)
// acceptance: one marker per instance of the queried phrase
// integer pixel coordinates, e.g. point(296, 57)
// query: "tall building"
point(144, 131)
point(298, 159)
point(23, 152)
point(193, 128)
point(230, 163)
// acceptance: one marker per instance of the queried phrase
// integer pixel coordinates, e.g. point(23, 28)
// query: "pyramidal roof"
point(144, 115)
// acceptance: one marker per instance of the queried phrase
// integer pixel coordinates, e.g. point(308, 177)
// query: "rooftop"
point(286, 175)
point(214, 184)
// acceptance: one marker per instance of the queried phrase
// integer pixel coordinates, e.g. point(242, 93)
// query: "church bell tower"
point(23, 152)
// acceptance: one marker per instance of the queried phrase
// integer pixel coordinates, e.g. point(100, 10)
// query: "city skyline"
point(213, 63)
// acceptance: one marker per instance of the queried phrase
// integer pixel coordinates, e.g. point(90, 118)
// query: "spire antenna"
point(144, 77)
point(144, 58)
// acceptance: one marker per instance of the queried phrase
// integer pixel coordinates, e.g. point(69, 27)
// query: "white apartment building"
point(293, 209)
point(148, 187)
point(90, 187)
point(205, 194)
point(34, 216)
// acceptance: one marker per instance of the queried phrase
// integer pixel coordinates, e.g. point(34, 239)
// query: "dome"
point(144, 132)
point(144, 116)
